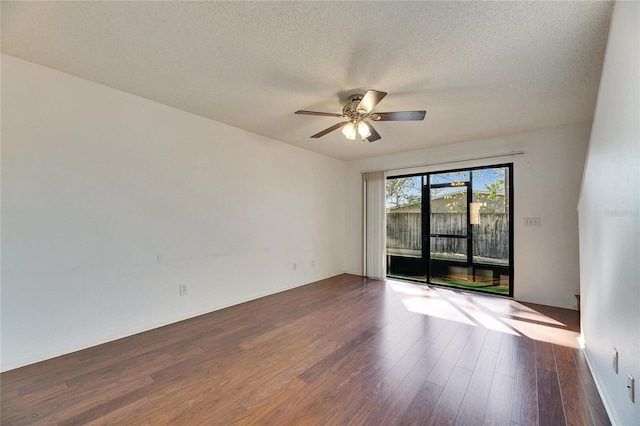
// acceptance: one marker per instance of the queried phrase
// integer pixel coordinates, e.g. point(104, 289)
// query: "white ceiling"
point(480, 69)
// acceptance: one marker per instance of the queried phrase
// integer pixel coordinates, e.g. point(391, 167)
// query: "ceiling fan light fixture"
point(349, 130)
point(358, 111)
point(363, 130)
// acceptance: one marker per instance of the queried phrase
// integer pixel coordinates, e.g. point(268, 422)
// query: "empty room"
point(320, 213)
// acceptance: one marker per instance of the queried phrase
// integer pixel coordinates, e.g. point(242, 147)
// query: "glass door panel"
point(404, 228)
point(490, 222)
point(469, 229)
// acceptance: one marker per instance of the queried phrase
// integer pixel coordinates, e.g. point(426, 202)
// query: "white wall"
point(546, 185)
point(97, 183)
point(610, 220)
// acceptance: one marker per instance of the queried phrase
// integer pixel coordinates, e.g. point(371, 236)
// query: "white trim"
point(364, 224)
point(460, 160)
point(601, 389)
point(137, 330)
point(546, 303)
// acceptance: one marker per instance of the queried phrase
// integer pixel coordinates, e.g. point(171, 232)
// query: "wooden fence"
point(491, 235)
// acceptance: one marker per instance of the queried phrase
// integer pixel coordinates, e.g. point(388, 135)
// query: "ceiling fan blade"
point(374, 135)
point(370, 100)
point(329, 130)
point(400, 116)
point(328, 114)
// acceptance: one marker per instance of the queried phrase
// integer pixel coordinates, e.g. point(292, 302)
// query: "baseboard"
point(127, 333)
point(546, 303)
point(601, 389)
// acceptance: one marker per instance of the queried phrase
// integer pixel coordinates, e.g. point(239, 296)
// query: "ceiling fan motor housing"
point(350, 108)
point(351, 111)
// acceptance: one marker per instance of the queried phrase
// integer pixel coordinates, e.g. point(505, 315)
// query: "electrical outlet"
point(183, 289)
point(614, 360)
point(295, 266)
point(313, 263)
point(631, 384)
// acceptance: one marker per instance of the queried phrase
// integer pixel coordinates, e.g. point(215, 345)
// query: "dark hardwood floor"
point(346, 350)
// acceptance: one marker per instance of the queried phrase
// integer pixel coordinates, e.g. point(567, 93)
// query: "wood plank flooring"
point(346, 350)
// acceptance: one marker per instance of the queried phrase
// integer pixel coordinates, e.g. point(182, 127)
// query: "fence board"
point(491, 235)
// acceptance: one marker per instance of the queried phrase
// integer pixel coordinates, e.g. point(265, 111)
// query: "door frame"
point(426, 225)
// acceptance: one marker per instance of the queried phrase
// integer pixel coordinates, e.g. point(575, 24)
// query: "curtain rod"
point(507, 154)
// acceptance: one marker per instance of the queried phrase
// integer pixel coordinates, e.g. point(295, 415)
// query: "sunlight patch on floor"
point(494, 313)
point(481, 315)
point(543, 333)
point(426, 302)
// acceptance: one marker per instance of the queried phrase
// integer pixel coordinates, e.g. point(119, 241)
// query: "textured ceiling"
point(480, 69)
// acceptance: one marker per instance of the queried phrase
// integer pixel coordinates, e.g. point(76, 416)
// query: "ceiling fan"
point(359, 111)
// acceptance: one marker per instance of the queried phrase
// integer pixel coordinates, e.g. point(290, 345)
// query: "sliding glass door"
point(455, 231)
point(404, 228)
